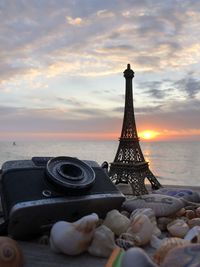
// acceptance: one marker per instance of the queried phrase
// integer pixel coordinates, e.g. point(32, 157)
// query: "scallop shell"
point(73, 238)
point(10, 253)
point(142, 229)
point(116, 222)
point(166, 246)
point(188, 255)
point(136, 257)
point(161, 205)
point(103, 242)
point(178, 228)
point(193, 235)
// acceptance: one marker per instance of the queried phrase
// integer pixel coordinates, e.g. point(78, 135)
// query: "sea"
point(176, 163)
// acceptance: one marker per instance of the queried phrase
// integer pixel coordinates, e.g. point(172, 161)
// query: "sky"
point(62, 63)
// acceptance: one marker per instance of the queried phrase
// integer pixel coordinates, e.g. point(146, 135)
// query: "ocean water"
point(171, 162)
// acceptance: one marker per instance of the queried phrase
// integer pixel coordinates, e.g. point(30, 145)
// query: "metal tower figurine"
point(129, 165)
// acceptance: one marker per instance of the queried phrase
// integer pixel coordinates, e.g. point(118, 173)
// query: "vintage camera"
point(37, 193)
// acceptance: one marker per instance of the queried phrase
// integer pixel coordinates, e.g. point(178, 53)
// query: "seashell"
point(193, 235)
point(73, 238)
point(103, 242)
point(136, 257)
point(178, 228)
point(187, 194)
point(194, 222)
point(117, 222)
point(155, 242)
point(189, 255)
point(150, 214)
point(166, 246)
point(161, 205)
point(162, 223)
point(190, 214)
point(123, 243)
point(10, 253)
point(142, 229)
point(181, 212)
point(197, 211)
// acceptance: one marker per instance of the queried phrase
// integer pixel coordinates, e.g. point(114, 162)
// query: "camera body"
point(32, 202)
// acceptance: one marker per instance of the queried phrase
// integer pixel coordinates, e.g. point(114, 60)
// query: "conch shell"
point(103, 242)
point(166, 246)
point(10, 253)
point(116, 222)
point(142, 229)
point(73, 238)
point(178, 228)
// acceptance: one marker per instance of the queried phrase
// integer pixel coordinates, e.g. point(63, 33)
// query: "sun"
point(148, 134)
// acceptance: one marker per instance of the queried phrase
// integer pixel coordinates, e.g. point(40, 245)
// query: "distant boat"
point(14, 144)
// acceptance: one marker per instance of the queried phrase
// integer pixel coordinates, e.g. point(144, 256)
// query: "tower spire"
point(129, 165)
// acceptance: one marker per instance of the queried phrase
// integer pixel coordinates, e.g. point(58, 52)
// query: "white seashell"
point(150, 214)
point(103, 242)
point(136, 257)
point(193, 235)
point(178, 228)
point(116, 222)
point(142, 229)
point(161, 205)
point(73, 238)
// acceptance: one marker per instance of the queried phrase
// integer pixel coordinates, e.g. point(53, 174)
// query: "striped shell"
point(125, 244)
point(166, 246)
point(10, 253)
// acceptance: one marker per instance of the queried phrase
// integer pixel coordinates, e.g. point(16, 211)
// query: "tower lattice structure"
point(129, 165)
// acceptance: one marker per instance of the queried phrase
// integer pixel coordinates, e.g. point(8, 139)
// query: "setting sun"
point(148, 134)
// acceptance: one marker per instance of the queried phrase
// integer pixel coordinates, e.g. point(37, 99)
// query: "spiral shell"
point(10, 253)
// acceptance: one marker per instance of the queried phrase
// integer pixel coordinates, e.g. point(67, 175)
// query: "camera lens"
point(70, 174)
point(70, 171)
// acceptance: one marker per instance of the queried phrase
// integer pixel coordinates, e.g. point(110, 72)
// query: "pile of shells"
point(152, 226)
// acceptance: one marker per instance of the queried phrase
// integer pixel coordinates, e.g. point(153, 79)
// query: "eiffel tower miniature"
point(129, 165)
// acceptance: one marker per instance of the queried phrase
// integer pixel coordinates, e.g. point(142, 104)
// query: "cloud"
point(190, 85)
point(75, 21)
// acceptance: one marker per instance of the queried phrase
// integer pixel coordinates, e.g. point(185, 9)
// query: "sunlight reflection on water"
point(171, 162)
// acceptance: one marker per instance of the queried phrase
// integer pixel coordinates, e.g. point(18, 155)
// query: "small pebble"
point(190, 214)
